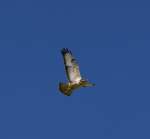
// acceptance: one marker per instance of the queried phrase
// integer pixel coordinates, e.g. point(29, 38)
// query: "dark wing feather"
point(71, 66)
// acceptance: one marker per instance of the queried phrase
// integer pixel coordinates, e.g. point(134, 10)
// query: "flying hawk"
point(73, 74)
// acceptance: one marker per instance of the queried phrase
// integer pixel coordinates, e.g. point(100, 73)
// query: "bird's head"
point(85, 83)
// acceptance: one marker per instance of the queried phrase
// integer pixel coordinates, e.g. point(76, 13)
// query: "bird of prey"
point(73, 74)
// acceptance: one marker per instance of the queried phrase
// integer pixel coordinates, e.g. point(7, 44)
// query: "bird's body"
point(73, 74)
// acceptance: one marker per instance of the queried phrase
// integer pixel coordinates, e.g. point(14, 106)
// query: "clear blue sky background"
point(110, 39)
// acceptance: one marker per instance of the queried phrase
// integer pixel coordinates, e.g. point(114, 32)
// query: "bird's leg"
point(69, 84)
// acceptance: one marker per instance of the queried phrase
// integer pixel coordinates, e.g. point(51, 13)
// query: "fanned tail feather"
point(65, 89)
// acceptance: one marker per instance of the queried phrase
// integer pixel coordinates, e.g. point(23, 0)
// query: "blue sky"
point(110, 40)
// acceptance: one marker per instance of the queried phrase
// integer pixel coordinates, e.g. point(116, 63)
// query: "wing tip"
point(65, 50)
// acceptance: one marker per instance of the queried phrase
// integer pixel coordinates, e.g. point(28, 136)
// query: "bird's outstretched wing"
point(71, 66)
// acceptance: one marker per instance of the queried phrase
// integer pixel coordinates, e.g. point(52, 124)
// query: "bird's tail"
point(65, 89)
